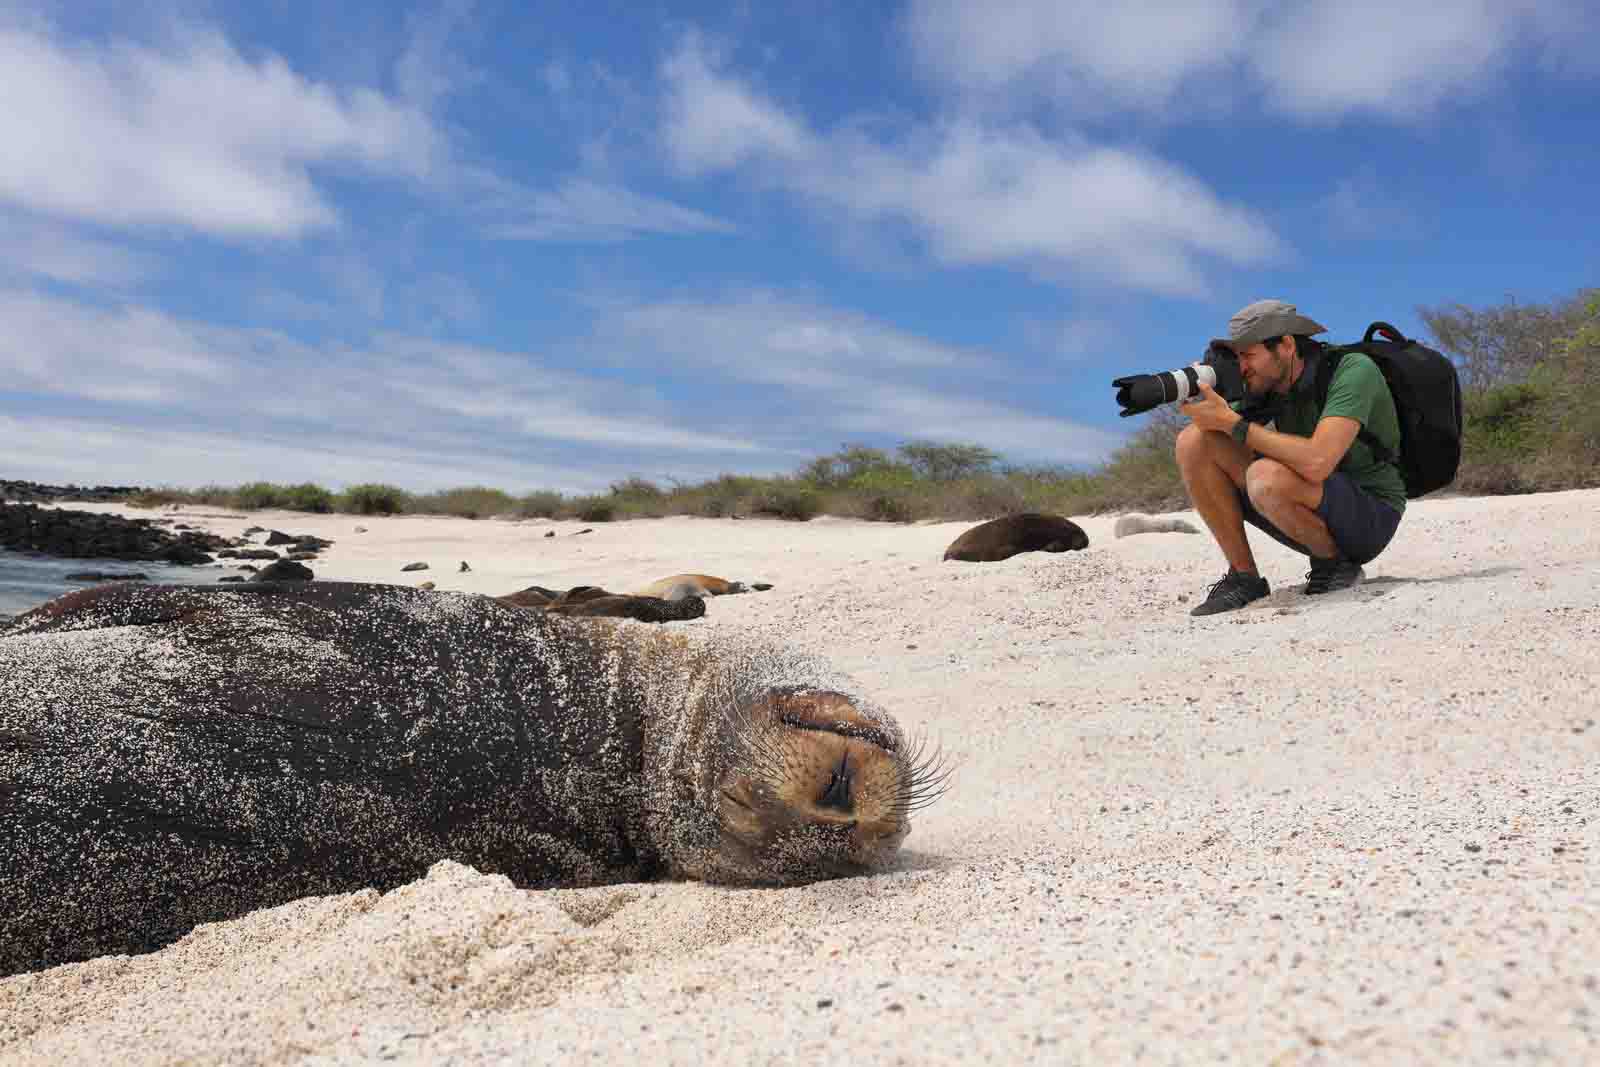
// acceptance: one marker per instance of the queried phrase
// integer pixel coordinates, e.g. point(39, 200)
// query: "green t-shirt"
point(1358, 392)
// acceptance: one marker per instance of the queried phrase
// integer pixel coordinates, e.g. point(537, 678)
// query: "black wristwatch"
point(1241, 430)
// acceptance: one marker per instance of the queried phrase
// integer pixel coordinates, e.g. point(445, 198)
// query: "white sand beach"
point(1357, 828)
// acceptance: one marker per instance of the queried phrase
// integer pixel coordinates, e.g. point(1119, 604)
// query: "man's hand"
point(1209, 411)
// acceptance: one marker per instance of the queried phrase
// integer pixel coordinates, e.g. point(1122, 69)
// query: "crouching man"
point(1309, 482)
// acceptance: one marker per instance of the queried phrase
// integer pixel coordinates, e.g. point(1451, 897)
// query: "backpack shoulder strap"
point(1329, 363)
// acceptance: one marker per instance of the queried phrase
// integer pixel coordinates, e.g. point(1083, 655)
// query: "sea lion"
point(595, 602)
point(1128, 525)
point(175, 755)
point(678, 586)
point(1026, 532)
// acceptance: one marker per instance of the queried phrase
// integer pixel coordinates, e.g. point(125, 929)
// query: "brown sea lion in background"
point(1128, 525)
point(678, 586)
point(1026, 532)
point(175, 755)
point(593, 601)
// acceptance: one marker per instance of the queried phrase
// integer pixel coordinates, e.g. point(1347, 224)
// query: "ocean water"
point(26, 580)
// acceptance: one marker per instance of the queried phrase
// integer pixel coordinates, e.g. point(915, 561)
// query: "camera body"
point(1218, 368)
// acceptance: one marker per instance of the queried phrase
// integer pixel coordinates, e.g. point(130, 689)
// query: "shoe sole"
point(1357, 580)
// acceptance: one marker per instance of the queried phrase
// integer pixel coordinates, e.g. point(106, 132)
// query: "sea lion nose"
point(837, 794)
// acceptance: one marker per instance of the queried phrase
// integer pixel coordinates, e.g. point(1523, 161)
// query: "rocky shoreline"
point(40, 493)
point(64, 532)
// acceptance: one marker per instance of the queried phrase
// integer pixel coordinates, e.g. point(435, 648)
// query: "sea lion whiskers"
point(925, 775)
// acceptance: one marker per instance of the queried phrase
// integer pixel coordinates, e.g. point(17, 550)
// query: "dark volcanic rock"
point(278, 537)
point(285, 570)
point(415, 567)
point(104, 576)
point(37, 493)
point(91, 535)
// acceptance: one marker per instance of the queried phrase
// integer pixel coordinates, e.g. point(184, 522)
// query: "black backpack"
point(1427, 398)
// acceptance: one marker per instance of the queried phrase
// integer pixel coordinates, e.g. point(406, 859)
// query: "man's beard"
point(1259, 386)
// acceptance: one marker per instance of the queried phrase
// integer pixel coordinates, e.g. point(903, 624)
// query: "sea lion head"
point(823, 787)
point(783, 781)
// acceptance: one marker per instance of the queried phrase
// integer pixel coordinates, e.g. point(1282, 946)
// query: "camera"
point(1219, 368)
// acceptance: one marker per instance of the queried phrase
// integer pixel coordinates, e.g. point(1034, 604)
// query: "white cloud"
point(1140, 50)
point(102, 451)
point(841, 374)
point(976, 193)
point(33, 247)
point(1308, 58)
point(121, 354)
point(757, 384)
point(395, 399)
point(192, 134)
point(588, 210)
point(714, 122)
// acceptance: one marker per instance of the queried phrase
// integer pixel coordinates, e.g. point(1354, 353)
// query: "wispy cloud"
point(190, 133)
point(129, 453)
point(757, 384)
point(132, 366)
point(37, 248)
point(583, 209)
point(839, 374)
point(1306, 58)
point(974, 192)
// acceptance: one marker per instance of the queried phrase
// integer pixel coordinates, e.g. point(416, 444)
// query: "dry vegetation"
point(1532, 425)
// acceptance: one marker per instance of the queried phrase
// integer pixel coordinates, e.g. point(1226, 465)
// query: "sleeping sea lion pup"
point(1129, 525)
point(678, 586)
point(174, 755)
point(593, 601)
point(1026, 532)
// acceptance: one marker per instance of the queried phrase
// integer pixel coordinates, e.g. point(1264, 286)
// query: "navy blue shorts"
point(1360, 523)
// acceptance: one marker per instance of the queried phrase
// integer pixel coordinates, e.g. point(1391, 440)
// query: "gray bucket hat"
point(1257, 322)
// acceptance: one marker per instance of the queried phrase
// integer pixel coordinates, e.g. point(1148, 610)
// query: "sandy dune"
point(1361, 828)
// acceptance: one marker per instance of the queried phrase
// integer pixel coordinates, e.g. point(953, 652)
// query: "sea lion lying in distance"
point(1026, 532)
point(678, 586)
point(174, 755)
point(1128, 525)
point(592, 601)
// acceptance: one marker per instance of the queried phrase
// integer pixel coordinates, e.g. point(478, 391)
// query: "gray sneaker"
point(1234, 591)
point(1331, 575)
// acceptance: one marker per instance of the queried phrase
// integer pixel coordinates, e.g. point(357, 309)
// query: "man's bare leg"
point(1213, 466)
point(1289, 502)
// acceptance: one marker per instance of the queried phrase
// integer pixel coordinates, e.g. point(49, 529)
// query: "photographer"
point(1308, 481)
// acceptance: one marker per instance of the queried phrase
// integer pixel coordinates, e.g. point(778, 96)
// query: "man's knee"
point(1266, 481)
point(1193, 446)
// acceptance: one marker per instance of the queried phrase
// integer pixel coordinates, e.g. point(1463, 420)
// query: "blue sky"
point(553, 246)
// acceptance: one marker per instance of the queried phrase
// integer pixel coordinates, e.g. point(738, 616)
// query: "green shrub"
point(595, 509)
point(307, 497)
point(466, 502)
point(373, 498)
point(257, 496)
point(946, 462)
point(216, 496)
point(543, 504)
point(638, 498)
point(786, 501)
point(155, 498)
